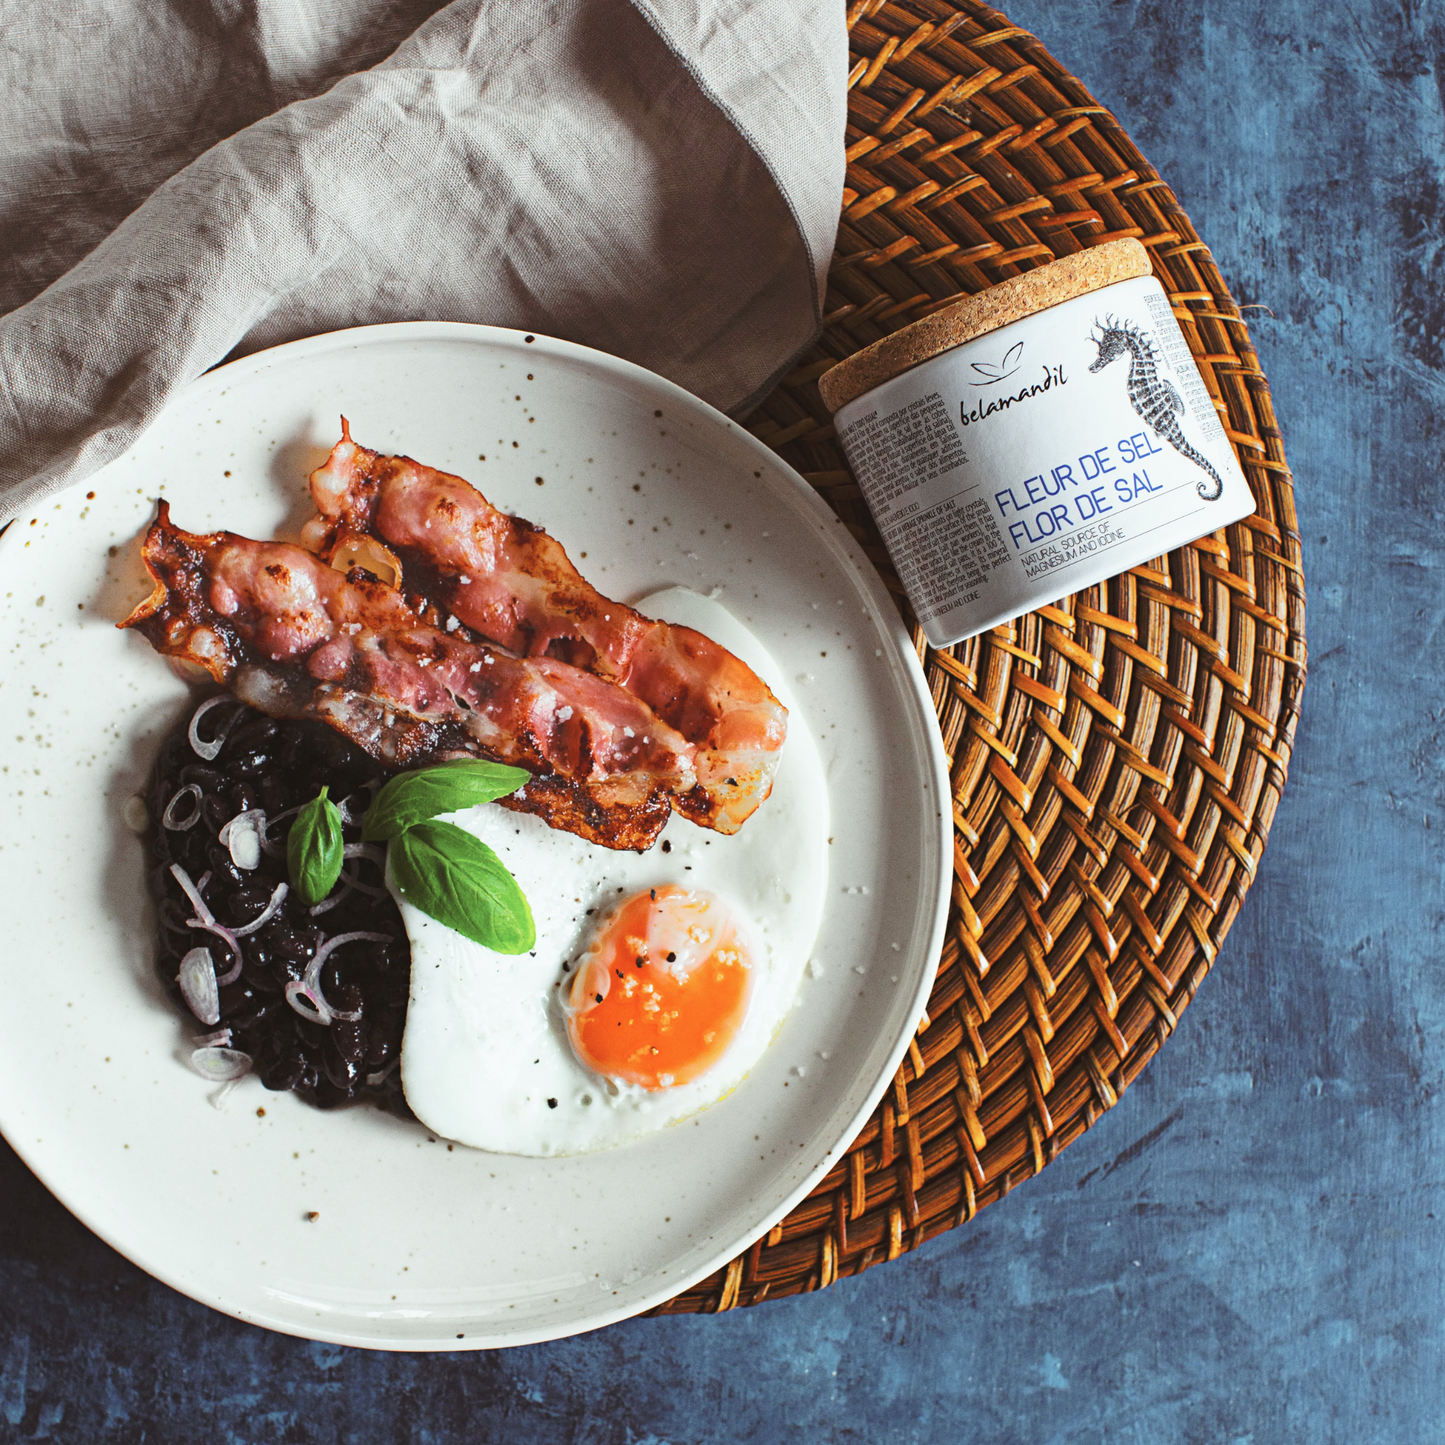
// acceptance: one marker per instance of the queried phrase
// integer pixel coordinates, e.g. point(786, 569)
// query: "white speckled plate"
point(416, 1245)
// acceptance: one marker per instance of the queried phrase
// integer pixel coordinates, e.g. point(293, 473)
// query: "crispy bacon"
point(514, 584)
point(294, 637)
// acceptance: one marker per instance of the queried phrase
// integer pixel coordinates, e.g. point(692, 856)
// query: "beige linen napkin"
point(184, 181)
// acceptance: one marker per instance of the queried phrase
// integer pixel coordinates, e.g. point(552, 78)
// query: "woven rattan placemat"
point(1116, 758)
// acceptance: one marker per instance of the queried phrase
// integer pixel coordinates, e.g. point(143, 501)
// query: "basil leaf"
point(313, 849)
point(459, 881)
point(412, 798)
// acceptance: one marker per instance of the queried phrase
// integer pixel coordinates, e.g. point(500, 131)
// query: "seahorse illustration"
point(1155, 399)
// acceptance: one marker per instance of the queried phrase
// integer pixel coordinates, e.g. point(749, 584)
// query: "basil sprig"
point(313, 849)
point(442, 869)
point(459, 881)
point(412, 798)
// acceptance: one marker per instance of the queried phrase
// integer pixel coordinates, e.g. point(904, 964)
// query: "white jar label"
point(1043, 458)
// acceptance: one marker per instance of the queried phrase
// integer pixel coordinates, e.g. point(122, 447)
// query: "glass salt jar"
point(1035, 439)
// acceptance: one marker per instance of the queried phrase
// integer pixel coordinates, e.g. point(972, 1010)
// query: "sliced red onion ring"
point(229, 938)
point(221, 1066)
point(220, 1039)
point(380, 1077)
point(209, 750)
point(172, 917)
point(207, 920)
point(266, 914)
point(349, 880)
point(267, 846)
point(338, 895)
point(193, 892)
point(332, 944)
point(242, 835)
point(197, 978)
point(350, 814)
point(372, 889)
point(308, 1004)
point(179, 825)
point(372, 853)
point(310, 985)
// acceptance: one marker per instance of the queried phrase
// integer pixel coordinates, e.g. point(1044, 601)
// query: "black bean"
point(395, 989)
point(274, 794)
point(216, 812)
point(294, 942)
point(349, 1037)
point(330, 749)
point(383, 1042)
point(282, 1072)
point(250, 763)
point(191, 850)
point(290, 750)
point(246, 903)
point(313, 1036)
point(260, 972)
point(337, 983)
point(329, 1095)
point(249, 1013)
point(236, 998)
point(244, 796)
point(218, 860)
point(345, 997)
point(365, 966)
point(248, 736)
point(210, 778)
point(343, 1072)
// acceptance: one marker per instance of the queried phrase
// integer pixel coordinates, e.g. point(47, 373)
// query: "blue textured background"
point(1247, 1248)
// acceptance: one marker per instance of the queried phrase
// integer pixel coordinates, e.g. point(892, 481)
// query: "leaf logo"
point(1002, 371)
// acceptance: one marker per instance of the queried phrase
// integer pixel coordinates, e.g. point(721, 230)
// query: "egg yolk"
point(661, 990)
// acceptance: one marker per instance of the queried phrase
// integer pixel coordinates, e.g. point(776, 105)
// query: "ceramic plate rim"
point(914, 693)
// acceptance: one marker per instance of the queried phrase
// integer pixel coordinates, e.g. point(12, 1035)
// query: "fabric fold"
point(659, 180)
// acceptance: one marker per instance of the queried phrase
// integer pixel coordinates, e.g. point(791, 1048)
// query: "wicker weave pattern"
point(1117, 758)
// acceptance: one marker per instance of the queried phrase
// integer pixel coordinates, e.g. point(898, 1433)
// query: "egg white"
point(486, 1046)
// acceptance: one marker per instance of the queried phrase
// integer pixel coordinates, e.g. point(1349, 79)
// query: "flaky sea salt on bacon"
point(509, 581)
point(293, 637)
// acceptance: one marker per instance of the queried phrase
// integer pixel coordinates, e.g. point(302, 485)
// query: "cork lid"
point(1000, 305)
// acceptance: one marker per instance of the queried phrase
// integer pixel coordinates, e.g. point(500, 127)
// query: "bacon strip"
point(296, 638)
point(514, 584)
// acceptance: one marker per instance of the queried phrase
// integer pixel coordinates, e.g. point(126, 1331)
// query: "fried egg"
point(657, 980)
